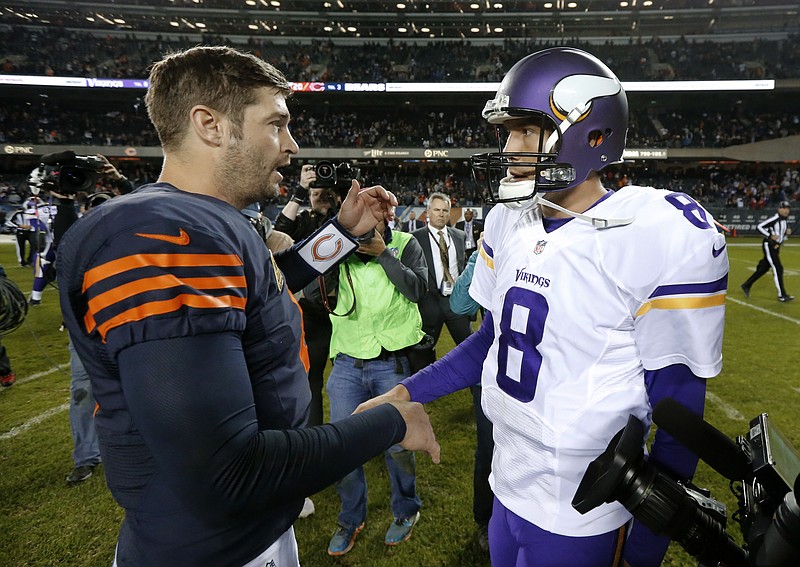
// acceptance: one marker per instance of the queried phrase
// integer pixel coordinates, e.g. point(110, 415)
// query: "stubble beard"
point(245, 175)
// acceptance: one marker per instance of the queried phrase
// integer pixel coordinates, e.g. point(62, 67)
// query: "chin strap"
point(597, 222)
point(520, 187)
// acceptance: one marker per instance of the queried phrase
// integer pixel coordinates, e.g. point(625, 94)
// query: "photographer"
point(299, 225)
point(375, 321)
point(62, 176)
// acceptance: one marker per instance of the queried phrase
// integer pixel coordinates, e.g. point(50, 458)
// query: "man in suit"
point(472, 228)
point(443, 247)
point(412, 224)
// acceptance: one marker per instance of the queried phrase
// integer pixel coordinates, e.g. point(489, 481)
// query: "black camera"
point(336, 176)
point(759, 467)
point(66, 173)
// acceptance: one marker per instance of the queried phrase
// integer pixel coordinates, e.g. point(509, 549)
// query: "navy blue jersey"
point(156, 276)
point(195, 350)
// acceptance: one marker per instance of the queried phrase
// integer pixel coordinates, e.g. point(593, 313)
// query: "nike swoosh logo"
point(715, 252)
point(181, 240)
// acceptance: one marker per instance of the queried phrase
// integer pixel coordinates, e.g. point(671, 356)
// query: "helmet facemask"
point(518, 176)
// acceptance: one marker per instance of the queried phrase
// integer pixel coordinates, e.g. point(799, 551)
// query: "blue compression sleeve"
point(197, 415)
point(459, 369)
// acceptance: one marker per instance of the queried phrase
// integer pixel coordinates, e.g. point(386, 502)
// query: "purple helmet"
point(573, 95)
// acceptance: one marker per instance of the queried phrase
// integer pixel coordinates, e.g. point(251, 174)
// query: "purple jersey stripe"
point(687, 289)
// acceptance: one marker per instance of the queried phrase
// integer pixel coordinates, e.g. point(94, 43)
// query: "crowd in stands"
point(64, 52)
point(745, 186)
point(48, 122)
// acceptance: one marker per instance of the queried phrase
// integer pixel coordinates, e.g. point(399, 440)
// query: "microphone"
point(707, 442)
point(58, 157)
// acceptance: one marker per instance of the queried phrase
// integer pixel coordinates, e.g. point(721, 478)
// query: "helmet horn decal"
point(571, 100)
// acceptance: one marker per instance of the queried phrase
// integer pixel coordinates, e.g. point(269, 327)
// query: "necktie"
point(445, 259)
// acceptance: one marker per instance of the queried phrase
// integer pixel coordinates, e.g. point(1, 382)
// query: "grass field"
point(44, 522)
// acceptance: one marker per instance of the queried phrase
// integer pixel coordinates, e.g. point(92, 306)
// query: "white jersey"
point(579, 314)
point(39, 216)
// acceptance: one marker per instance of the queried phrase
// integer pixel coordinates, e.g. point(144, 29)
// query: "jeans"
point(86, 449)
point(348, 387)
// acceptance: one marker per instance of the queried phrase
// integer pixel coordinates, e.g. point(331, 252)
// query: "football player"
point(192, 338)
point(599, 304)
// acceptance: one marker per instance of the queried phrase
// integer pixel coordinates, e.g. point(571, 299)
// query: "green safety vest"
point(383, 316)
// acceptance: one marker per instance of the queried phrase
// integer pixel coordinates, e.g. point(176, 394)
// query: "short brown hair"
point(219, 77)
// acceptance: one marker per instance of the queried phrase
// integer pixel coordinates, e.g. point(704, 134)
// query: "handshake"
point(419, 432)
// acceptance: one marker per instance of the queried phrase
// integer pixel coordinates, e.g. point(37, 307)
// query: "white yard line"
point(14, 431)
point(33, 421)
point(762, 310)
point(42, 374)
point(730, 411)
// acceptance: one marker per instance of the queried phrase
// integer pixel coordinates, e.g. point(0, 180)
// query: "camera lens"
point(73, 179)
point(325, 171)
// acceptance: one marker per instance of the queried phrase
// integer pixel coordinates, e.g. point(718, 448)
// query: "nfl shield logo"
point(540, 247)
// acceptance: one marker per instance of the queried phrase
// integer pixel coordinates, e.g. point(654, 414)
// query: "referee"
point(775, 231)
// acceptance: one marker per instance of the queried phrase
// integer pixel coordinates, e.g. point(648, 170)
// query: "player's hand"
point(419, 432)
point(396, 394)
point(364, 208)
point(278, 241)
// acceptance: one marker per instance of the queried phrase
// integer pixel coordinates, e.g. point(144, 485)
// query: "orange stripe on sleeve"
point(303, 346)
point(144, 285)
point(121, 265)
point(167, 306)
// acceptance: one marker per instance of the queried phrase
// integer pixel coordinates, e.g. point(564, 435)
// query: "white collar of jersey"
point(521, 189)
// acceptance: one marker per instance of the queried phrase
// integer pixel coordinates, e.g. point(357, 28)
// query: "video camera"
point(336, 176)
point(760, 466)
point(65, 173)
